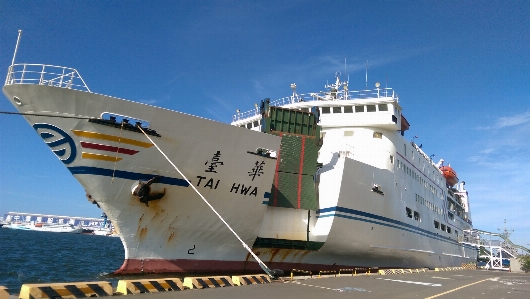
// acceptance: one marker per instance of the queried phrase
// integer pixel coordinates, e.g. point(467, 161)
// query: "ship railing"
point(341, 95)
point(40, 74)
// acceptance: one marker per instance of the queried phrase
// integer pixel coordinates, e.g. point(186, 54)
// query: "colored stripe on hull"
point(108, 148)
point(118, 139)
point(126, 175)
point(99, 157)
point(385, 221)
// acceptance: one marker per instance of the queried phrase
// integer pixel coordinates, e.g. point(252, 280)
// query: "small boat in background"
point(105, 231)
point(106, 228)
point(16, 225)
point(45, 227)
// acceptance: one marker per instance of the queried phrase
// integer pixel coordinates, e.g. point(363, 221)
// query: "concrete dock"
point(432, 284)
point(451, 284)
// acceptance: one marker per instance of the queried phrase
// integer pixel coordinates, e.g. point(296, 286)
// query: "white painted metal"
point(179, 226)
point(362, 152)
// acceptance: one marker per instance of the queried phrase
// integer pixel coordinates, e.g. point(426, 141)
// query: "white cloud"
point(487, 151)
point(508, 121)
point(513, 120)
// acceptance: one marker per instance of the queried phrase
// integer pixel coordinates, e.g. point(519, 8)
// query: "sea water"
point(45, 257)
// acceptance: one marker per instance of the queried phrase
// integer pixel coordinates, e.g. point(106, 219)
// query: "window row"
point(251, 125)
point(418, 178)
point(356, 109)
point(428, 204)
point(417, 217)
point(443, 227)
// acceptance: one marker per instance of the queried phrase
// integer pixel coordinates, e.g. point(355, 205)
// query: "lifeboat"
point(449, 175)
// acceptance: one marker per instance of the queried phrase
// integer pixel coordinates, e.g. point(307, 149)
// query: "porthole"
point(17, 100)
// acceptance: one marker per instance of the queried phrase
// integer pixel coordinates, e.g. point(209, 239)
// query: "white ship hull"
point(353, 225)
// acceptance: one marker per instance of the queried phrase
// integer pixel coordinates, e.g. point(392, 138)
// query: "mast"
point(16, 47)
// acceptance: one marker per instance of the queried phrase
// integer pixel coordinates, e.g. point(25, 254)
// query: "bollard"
point(301, 271)
point(353, 271)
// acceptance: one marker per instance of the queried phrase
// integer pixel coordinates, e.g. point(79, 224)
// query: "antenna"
point(345, 69)
point(16, 47)
point(366, 74)
point(506, 232)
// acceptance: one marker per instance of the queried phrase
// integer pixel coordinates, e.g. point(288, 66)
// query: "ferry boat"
point(46, 227)
point(320, 181)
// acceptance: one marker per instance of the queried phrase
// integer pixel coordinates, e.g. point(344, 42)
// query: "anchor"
point(143, 191)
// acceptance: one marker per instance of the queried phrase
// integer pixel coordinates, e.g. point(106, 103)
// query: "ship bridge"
point(338, 107)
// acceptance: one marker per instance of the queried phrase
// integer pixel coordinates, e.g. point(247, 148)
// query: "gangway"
point(496, 248)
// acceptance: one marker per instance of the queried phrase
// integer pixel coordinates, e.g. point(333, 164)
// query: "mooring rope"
point(260, 262)
point(117, 151)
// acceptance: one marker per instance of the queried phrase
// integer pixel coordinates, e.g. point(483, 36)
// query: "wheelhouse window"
point(370, 108)
point(249, 126)
point(382, 107)
point(448, 229)
point(436, 224)
point(443, 227)
point(359, 108)
point(325, 110)
point(378, 135)
point(337, 109)
point(348, 109)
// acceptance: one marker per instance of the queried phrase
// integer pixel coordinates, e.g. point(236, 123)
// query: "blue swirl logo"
point(59, 141)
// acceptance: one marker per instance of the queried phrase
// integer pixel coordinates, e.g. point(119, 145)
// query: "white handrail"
point(40, 74)
point(340, 95)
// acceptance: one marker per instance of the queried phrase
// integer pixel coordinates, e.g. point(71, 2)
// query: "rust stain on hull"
point(279, 255)
point(143, 233)
point(171, 236)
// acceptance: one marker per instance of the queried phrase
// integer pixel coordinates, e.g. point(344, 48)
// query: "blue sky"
point(461, 69)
